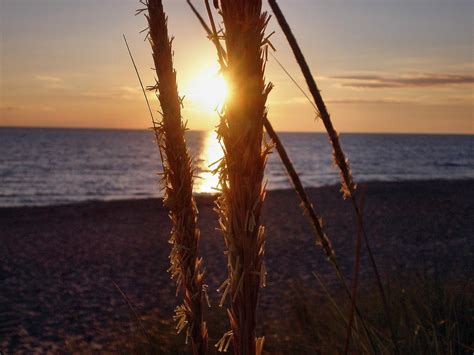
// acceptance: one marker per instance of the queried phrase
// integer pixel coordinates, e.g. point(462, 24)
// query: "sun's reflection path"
point(210, 153)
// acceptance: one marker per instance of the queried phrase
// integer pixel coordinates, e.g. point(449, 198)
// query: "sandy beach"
point(58, 264)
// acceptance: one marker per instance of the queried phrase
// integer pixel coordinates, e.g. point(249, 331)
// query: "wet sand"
point(58, 264)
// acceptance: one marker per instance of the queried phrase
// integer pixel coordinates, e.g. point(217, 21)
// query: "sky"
point(401, 66)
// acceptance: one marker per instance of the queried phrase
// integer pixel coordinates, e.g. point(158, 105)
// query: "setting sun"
point(174, 159)
point(208, 89)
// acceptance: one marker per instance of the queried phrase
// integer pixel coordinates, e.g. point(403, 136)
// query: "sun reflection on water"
point(210, 153)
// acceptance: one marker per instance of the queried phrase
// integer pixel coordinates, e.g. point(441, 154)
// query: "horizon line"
point(204, 130)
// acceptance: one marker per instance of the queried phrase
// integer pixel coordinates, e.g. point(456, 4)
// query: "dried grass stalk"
point(186, 267)
point(242, 168)
point(321, 238)
point(348, 187)
point(316, 222)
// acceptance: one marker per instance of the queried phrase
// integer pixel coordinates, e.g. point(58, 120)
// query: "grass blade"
point(348, 186)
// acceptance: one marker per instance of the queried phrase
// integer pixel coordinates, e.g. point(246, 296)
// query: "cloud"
point(46, 108)
point(10, 108)
point(48, 78)
point(130, 89)
point(289, 101)
point(15, 109)
point(116, 93)
point(404, 81)
point(368, 101)
point(303, 100)
point(342, 101)
point(53, 82)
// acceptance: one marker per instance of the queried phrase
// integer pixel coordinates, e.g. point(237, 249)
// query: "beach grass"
point(308, 208)
point(348, 187)
point(242, 168)
point(241, 172)
point(186, 266)
point(414, 313)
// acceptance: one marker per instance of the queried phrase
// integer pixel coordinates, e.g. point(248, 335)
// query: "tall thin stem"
point(186, 266)
point(242, 168)
point(308, 209)
point(348, 186)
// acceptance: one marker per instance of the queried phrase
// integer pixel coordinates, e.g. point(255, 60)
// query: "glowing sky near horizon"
point(382, 65)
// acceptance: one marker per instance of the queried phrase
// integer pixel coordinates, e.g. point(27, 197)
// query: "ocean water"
point(55, 166)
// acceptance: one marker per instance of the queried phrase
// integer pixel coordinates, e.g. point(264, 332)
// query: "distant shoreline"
point(213, 195)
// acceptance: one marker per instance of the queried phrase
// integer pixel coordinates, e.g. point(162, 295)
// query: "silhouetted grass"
point(242, 167)
point(186, 266)
point(348, 187)
point(427, 315)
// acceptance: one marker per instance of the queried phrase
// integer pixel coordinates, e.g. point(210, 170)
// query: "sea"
point(50, 166)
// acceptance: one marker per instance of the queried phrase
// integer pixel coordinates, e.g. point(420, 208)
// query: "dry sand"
point(58, 263)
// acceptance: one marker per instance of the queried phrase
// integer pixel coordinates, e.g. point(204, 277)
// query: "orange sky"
point(382, 66)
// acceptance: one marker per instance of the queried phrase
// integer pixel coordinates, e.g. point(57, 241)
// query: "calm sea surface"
point(55, 166)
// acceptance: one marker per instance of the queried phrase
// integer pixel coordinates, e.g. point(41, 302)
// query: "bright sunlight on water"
point(208, 91)
point(53, 166)
point(211, 152)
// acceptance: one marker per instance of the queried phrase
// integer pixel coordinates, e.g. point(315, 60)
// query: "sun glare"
point(208, 90)
point(211, 153)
